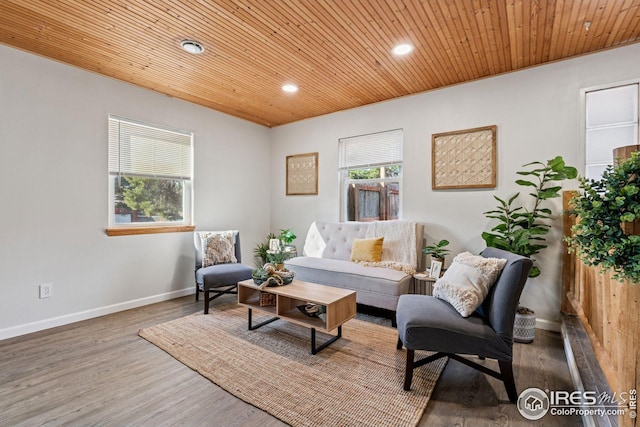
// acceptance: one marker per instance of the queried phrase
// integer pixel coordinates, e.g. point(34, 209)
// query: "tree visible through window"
point(150, 175)
point(148, 200)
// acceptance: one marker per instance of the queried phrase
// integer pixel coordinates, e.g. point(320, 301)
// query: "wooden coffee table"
point(340, 306)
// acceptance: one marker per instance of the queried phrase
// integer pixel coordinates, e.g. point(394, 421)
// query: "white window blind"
point(376, 149)
point(137, 149)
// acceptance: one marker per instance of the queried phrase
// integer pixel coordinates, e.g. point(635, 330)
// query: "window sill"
point(149, 230)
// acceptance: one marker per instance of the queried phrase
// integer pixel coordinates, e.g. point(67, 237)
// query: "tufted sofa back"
point(333, 239)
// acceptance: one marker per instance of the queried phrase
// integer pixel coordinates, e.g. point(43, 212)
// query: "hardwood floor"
point(99, 372)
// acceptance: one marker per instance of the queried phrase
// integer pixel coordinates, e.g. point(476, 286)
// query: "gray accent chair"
point(428, 323)
point(220, 279)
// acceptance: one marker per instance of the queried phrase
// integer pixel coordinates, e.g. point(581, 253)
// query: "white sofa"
point(327, 253)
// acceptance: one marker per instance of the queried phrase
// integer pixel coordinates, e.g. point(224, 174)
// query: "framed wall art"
point(302, 174)
point(464, 159)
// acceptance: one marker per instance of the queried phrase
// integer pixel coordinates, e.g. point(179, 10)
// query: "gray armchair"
point(427, 323)
point(220, 279)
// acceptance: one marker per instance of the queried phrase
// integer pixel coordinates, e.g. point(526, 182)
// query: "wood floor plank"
point(99, 372)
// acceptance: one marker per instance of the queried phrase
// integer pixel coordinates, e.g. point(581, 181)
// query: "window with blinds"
point(370, 168)
point(150, 173)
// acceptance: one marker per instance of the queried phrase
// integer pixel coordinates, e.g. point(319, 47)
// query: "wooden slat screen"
point(609, 310)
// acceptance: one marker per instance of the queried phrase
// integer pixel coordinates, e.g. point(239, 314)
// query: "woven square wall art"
point(464, 159)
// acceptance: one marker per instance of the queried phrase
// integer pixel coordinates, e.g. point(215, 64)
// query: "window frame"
point(583, 115)
point(345, 181)
point(121, 229)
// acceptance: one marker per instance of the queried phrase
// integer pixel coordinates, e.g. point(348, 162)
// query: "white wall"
point(53, 194)
point(53, 177)
point(537, 112)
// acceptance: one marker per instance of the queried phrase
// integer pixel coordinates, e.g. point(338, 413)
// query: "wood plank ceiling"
point(336, 51)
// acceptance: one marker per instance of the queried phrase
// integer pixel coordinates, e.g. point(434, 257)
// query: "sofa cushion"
point(222, 275)
point(350, 275)
point(369, 250)
point(434, 332)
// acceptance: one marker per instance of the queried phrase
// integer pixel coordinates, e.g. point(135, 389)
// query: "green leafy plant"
point(287, 236)
point(278, 257)
point(602, 207)
point(522, 230)
point(437, 250)
point(261, 250)
point(259, 273)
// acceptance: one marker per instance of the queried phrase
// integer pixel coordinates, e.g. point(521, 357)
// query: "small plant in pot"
point(287, 237)
point(522, 229)
point(438, 251)
point(261, 250)
point(278, 257)
point(264, 254)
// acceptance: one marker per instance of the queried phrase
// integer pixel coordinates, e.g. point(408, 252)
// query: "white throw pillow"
point(467, 281)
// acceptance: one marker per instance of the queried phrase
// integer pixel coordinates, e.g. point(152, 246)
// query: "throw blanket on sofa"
point(398, 248)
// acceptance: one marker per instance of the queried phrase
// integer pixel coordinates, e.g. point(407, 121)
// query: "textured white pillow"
point(218, 248)
point(467, 281)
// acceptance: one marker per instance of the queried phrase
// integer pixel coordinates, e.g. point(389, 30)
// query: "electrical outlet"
point(46, 290)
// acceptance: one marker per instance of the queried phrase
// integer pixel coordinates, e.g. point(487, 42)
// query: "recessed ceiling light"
point(192, 47)
point(402, 49)
point(291, 88)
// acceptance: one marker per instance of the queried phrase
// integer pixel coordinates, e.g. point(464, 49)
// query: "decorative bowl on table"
point(269, 276)
point(285, 275)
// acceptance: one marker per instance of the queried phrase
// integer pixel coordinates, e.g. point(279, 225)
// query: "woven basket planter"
point(267, 299)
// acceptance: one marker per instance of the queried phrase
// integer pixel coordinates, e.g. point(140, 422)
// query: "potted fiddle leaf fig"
point(523, 225)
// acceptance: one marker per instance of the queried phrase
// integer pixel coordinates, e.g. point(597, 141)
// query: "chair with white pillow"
point(218, 264)
point(453, 322)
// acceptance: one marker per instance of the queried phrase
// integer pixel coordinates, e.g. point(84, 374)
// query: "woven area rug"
point(356, 381)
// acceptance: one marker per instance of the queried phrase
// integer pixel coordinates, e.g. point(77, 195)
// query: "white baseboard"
point(66, 319)
point(27, 328)
point(548, 325)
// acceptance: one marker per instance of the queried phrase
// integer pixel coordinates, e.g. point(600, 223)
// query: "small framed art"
point(274, 245)
point(436, 267)
point(302, 174)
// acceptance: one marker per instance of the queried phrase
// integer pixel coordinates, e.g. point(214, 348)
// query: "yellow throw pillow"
point(367, 249)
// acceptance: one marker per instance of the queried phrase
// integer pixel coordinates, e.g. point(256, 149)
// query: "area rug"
point(356, 381)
